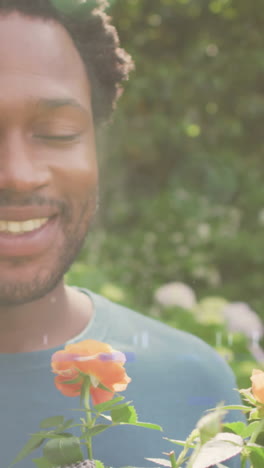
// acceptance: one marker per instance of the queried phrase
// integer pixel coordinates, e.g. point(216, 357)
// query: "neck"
point(48, 322)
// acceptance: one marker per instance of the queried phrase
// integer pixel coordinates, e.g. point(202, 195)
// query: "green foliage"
point(232, 347)
point(212, 441)
point(62, 448)
point(190, 122)
point(124, 415)
point(182, 194)
point(176, 236)
point(63, 451)
point(34, 442)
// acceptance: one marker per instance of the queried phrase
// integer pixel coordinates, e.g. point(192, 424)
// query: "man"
point(59, 78)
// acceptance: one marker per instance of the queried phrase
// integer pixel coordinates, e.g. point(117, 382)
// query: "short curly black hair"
point(107, 65)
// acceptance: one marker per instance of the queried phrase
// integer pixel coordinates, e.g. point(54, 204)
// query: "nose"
point(20, 168)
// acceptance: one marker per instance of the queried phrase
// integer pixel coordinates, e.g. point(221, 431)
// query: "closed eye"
point(62, 138)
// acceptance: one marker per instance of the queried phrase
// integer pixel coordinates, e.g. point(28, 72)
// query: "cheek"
point(78, 180)
point(76, 173)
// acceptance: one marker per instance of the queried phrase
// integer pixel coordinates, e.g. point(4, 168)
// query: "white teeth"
point(15, 227)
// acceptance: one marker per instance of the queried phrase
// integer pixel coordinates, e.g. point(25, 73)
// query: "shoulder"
point(161, 341)
point(180, 366)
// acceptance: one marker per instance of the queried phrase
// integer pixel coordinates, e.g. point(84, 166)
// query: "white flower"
point(209, 310)
point(175, 294)
point(204, 231)
point(242, 319)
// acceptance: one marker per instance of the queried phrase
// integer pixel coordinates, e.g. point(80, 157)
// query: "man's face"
point(48, 170)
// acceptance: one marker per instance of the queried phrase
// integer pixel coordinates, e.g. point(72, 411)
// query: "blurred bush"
point(203, 320)
point(233, 347)
point(177, 235)
point(182, 194)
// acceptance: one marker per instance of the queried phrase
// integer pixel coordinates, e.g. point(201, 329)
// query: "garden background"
point(182, 193)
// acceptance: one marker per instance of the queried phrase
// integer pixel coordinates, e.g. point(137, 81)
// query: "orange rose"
point(100, 361)
point(257, 388)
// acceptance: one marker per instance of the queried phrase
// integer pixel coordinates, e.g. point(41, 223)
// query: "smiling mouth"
point(17, 228)
point(27, 237)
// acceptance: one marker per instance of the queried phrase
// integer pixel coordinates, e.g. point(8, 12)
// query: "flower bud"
point(210, 424)
point(257, 388)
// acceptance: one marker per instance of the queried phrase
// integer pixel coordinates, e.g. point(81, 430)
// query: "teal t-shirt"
point(175, 378)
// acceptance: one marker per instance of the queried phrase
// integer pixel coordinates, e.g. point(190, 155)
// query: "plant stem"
point(188, 444)
point(244, 462)
point(182, 456)
point(88, 420)
point(173, 459)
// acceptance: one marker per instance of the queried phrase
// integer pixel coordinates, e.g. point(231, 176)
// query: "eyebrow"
point(55, 103)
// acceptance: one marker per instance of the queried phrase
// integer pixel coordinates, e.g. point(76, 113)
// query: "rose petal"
point(100, 396)
point(257, 379)
point(102, 363)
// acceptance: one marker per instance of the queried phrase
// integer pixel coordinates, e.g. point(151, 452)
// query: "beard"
point(49, 275)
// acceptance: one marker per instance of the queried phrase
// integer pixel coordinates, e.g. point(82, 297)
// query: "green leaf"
point(96, 430)
point(122, 405)
point(51, 422)
point(247, 396)
point(236, 427)
point(103, 387)
point(43, 463)
point(222, 447)
point(66, 425)
point(254, 414)
point(245, 409)
point(52, 434)
point(160, 461)
point(188, 442)
point(250, 429)
point(63, 451)
point(57, 435)
point(126, 414)
point(182, 443)
point(156, 427)
point(98, 464)
point(256, 456)
point(107, 405)
point(33, 443)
